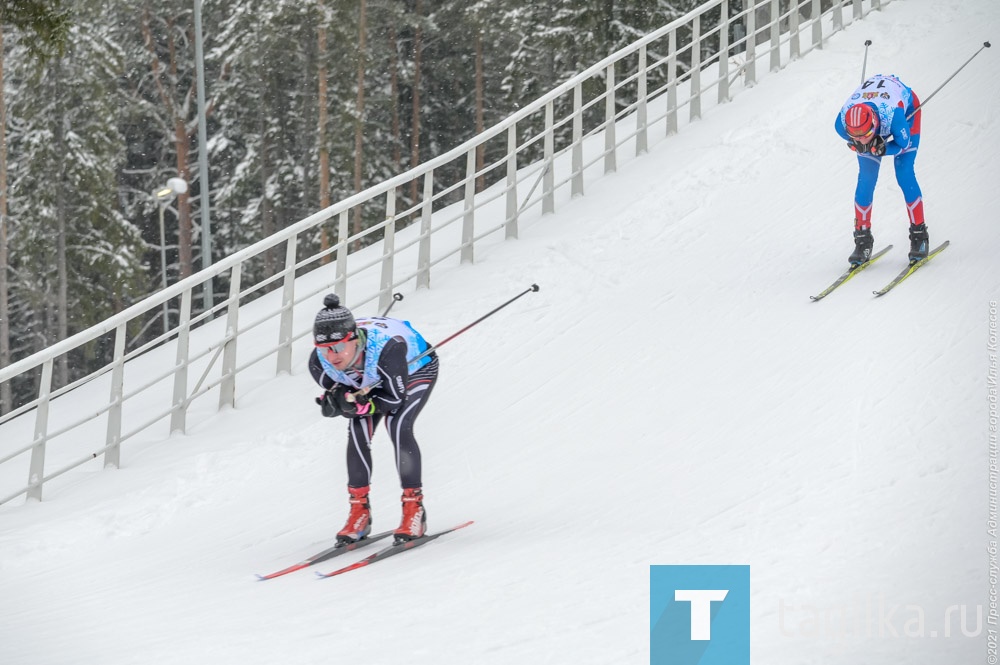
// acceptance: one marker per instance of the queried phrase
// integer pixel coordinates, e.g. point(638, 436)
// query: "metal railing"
point(549, 144)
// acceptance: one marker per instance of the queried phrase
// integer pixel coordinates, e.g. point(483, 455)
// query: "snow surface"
point(670, 396)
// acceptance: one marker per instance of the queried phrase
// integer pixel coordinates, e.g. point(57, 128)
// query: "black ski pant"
point(400, 426)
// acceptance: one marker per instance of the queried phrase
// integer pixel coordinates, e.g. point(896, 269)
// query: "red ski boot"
point(414, 522)
point(359, 521)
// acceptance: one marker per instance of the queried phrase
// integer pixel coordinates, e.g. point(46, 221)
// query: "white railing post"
point(548, 177)
point(424, 251)
point(793, 31)
point(227, 388)
point(469, 217)
point(287, 302)
point(641, 140)
point(112, 455)
point(750, 44)
point(610, 161)
point(838, 16)
point(36, 469)
point(178, 417)
point(343, 233)
point(511, 212)
point(695, 68)
point(388, 250)
point(724, 52)
point(817, 15)
point(775, 36)
point(577, 180)
point(672, 83)
point(858, 11)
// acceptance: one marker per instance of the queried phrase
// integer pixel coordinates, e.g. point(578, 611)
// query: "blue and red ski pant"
point(868, 168)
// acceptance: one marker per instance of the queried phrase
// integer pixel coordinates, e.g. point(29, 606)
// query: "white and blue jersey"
point(379, 331)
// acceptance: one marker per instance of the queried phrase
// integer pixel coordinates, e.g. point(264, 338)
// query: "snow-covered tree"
point(75, 258)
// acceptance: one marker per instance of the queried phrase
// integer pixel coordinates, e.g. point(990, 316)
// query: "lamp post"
point(163, 196)
point(206, 223)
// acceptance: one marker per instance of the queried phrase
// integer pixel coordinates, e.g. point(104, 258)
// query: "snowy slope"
point(671, 396)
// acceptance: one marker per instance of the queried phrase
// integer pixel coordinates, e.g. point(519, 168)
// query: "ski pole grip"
point(396, 297)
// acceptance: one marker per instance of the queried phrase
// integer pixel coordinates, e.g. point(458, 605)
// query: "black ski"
point(393, 550)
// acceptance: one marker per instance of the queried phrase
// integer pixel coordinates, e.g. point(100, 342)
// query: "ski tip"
point(454, 528)
point(262, 578)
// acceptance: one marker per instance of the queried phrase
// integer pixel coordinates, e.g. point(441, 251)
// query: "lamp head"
point(177, 185)
point(174, 187)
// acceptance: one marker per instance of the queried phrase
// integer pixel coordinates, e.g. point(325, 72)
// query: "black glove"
point(857, 147)
point(358, 405)
point(877, 146)
point(328, 405)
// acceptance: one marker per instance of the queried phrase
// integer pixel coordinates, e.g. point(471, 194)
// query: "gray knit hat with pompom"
point(333, 323)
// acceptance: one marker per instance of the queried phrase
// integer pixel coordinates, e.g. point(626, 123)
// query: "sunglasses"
point(336, 347)
point(863, 135)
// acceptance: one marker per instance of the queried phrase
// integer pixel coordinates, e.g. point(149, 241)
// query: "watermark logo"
point(870, 616)
point(699, 615)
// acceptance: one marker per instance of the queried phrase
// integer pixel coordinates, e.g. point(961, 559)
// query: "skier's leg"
point(401, 423)
point(864, 193)
point(408, 459)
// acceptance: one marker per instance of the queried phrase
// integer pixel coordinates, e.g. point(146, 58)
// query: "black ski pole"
point(533, 288)
point(395, 298)
point(365, 390)
point(864, 63)
point(924, 102)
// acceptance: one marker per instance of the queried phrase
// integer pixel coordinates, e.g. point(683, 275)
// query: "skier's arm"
point(328, 402)
point(318, 374)
point(841, 130)
point(900, 128)
point(393, 370)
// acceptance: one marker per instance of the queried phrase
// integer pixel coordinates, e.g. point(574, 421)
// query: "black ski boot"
point(863, 242)
point(919, 242)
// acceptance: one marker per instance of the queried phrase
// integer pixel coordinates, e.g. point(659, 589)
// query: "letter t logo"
point(701, 609)
point(699, 615)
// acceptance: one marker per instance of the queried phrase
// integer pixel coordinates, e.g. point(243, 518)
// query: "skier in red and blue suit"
point(882, 118)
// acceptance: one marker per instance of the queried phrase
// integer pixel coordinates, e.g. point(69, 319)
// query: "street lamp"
point(206, 224)
point(163, 196)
